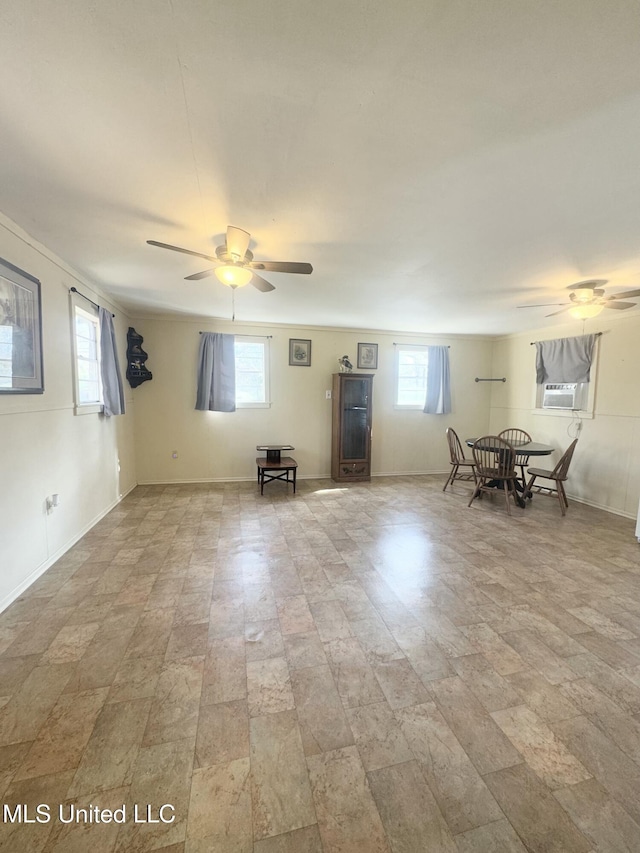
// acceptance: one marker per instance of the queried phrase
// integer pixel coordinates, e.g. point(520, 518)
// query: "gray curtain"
point(216, 373)
point(564, 359)
point(112, 392)
point(438, 400)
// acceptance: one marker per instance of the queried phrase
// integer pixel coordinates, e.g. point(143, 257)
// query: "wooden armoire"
point(352, 396)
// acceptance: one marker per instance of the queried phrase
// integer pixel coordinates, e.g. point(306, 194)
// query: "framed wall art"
point(299, 352)
point(20, 332)
point(367, 356)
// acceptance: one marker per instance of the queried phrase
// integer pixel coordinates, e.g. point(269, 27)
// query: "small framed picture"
point(367, 356)
point(20, 332)
point(299, 352)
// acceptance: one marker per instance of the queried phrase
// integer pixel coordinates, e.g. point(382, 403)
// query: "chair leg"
point(454, 468)
point(564, 495)
point(530, 485)
point(507, 492)
point(562, 498)
point(476, 492)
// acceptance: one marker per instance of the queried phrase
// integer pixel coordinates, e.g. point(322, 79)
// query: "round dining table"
point(530, 448)
point(523, 450)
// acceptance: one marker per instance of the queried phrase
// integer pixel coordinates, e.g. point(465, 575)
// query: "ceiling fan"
point(587, 299)
point(237, 265)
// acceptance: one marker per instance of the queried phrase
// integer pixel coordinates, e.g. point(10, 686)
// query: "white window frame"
point(90, 313)
point(585, 393)
point(264, 342)
point(399, 348)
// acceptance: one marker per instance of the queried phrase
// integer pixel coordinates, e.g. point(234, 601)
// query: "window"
point(86, 347)
point(411, 376)
point(252, 372)
point(565, 398)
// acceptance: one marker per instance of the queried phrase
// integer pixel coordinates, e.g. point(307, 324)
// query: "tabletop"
point(531, 448)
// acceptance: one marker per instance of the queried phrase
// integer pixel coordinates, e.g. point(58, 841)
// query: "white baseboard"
point(326, 476)
point(42, 568)
point(604, 508)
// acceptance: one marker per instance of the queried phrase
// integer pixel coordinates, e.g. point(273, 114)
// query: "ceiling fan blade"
point(626, 294)
point(282, 266)
point(180, 249)
point(589, 284)
point(261, 283)
point(544, 305)
point(237, 241)
point(198, 275)
point(620, 304)
point(561, 311)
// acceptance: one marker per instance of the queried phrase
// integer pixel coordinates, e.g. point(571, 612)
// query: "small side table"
point(275, 462)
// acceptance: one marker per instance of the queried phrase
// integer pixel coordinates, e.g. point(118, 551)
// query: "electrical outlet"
point(327, 395)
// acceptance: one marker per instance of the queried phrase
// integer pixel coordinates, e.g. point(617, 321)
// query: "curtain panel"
point(216, 373)
point(112, 390)
point(564, 359)
point(438, 400)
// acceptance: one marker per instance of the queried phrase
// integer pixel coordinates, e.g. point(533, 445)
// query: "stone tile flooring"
point(350, 670)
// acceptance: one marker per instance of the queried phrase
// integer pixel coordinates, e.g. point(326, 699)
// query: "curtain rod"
point(241, 336)
point(533, 343)
point(404, 344)
point(95, 304)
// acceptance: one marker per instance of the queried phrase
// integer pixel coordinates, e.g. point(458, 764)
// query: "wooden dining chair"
point(459, 460)
point(518, 437)
point(495, 468)
point(557, 476)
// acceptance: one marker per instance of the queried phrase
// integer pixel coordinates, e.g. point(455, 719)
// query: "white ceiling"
point(439, 162)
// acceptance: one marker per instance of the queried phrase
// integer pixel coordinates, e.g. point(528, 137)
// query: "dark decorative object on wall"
point(137, 373)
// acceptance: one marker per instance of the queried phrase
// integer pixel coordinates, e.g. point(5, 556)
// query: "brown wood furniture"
point(351, 430)
point(517, 437)
point(275, 462)
point(495, 466)
point(459, 460)
point(558, 476)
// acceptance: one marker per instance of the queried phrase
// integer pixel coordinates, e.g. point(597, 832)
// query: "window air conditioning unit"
point(560, 396)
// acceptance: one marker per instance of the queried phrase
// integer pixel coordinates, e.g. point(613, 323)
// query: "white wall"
point(605, 470)
point(221, 446)
point(46, 449)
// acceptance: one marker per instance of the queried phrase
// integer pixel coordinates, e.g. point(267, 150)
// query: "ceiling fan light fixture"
point(234, 276)
point(584, 294)
point(586, 312)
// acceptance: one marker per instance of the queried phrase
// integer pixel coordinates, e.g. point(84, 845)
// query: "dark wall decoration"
point(137, 373)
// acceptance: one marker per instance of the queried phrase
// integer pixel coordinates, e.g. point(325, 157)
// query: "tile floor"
point(350, 670)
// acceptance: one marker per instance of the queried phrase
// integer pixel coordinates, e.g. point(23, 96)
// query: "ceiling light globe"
point(234, 276)
point(585, 312)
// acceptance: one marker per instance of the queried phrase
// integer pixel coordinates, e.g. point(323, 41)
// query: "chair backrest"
point(561, 470)
point(455, 447)
point(515, 436)
point(495, 455)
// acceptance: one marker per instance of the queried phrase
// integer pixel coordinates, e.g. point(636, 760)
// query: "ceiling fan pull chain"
point(233, 305)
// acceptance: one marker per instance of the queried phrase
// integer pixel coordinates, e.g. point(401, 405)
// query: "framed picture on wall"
point(20, 332)
point(367, 356)
point(299, 352)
